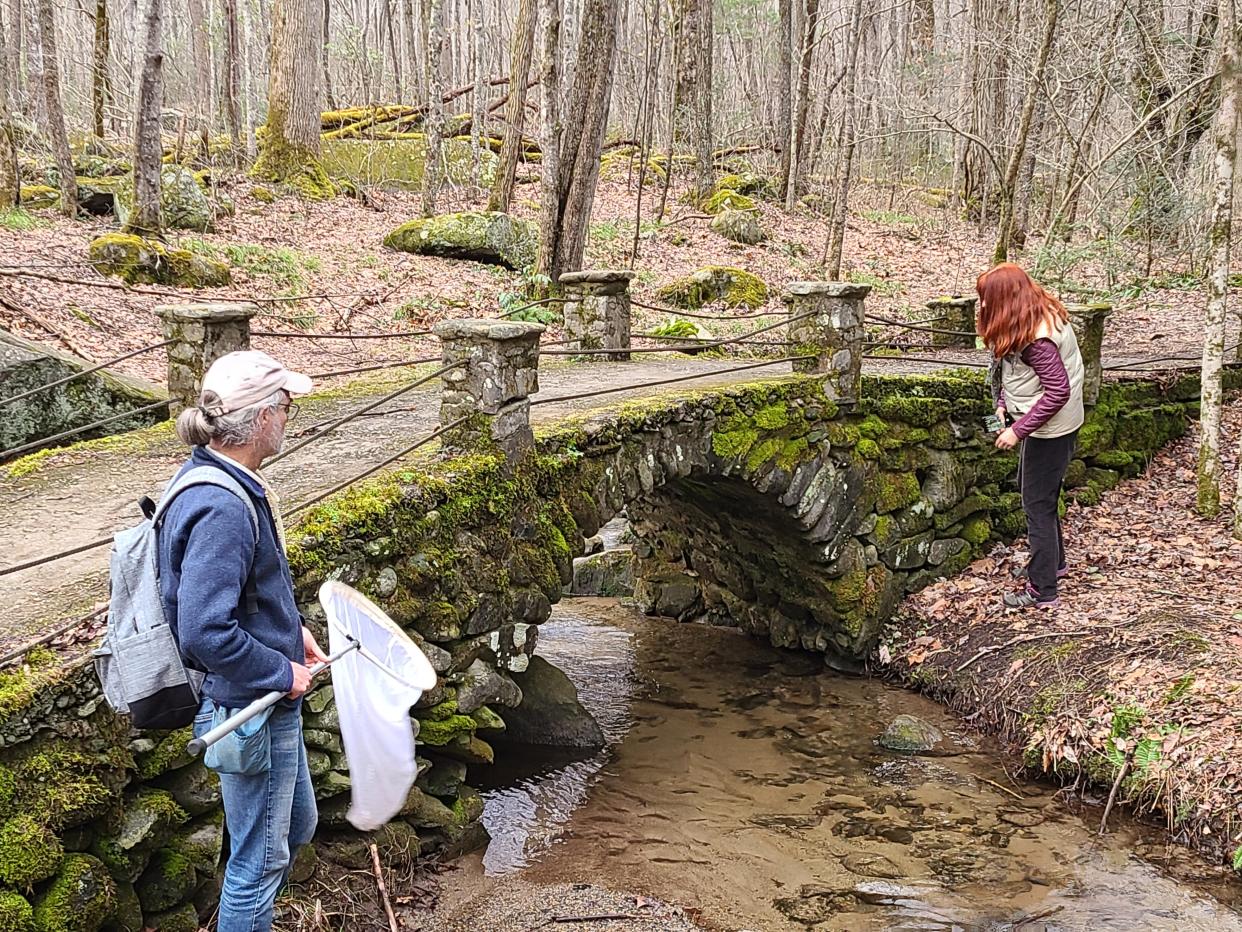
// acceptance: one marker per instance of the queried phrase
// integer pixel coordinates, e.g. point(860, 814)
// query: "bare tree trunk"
point(56, 111)
point(417, 73)
point(327, 68)
point(13, 60)
point(392, 51)
point(250, 117)
point(201, 56)
point(693, 94)
point(145, 219)
point(36, 95)
point(1033, 90)
point(232, 79)
point(478, 103)
point(1208, 494)
point(798, 130)
point(549, 134)
point(586, 119)
point(433, 11)
point(841, 201)
point(10, 176)
point(290, 148)
point(784, 89)
point(1026, 179)
point(99, 67)
point(521, 52)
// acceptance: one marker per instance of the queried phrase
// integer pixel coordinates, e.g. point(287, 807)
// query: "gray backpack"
point(139, 664)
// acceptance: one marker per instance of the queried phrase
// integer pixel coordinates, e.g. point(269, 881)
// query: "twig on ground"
point(1003, 789)
point(1020, 640)
point(383, 890)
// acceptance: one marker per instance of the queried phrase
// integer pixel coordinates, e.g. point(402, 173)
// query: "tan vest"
point(1023, 388)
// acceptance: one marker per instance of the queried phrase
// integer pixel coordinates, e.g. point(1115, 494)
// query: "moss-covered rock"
point(182, 919)
point(16, 913)
point(29, 851)
point(740, 226)
point(911, 735)
point(184, 205)
point(168, 754)
point(714, 284)
point(142, 261)
point(81, 897)
point(168, 879)
point(478, 236)
point(38, 196)
point(724, 199)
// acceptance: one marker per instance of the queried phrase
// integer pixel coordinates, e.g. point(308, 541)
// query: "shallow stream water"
point(744, 783)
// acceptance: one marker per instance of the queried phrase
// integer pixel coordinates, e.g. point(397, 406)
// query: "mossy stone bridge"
point(799, 507)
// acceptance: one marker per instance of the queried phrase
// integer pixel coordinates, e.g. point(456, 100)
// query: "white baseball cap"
point(239, 380)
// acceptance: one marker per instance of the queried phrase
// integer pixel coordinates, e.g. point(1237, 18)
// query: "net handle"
point(196, 746)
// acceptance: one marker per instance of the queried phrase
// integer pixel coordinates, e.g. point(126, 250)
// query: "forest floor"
point(320, 267)
point(1132, 684)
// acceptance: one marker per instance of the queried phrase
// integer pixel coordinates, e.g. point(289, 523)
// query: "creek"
point(745, 783)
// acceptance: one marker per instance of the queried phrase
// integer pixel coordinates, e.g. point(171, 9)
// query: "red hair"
point(1012, 306)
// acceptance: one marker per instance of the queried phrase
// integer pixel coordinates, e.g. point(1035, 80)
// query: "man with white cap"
point(228, 596)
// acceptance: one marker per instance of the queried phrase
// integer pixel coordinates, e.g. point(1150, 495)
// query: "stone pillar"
point(953, 313)
point(201, 334)
point(597, 310)
point(500, 373)
point(1088, 321)
point(834, 335)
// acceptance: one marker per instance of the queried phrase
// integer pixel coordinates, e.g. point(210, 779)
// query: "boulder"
point(143, 261)
point(670, 594)
point(911, 735)
point(608, 573)
point(740, 226)
point(168, 879)
point(184, 204)
point(725, 199)
point(716, 284)
point(479, 236)
point(550, 714)
point(481, 685)
point(182, 919)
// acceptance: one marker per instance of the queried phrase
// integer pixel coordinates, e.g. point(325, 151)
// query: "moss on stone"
point(733, 444)
point(29, 851)
point(873, 428)
point(868, 449)
point(67, 787)
point(977, 530)
point(895, 490)
point(919, 412)
point(16, 913)
point(168, 754)
point(168, 879)
point(441, 733)
point(793, 453)
point(724, 199)
point(80, 898)
point(479, 236)
point(713, 284)
point(141, 261)
point(263, 195)
point(841, 434)
point(772, 417)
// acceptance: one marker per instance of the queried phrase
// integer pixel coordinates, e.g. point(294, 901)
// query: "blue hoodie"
point(207, 552)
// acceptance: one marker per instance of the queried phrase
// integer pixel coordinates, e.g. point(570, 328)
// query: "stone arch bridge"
point(799, 508)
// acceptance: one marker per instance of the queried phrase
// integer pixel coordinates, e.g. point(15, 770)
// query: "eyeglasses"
point(291, 410)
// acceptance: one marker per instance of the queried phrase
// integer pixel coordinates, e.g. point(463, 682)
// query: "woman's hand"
point(1007, 439)
point(1000, 414)
point(314, 653)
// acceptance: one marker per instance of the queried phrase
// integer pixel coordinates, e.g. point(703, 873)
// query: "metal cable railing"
point(51, 636)
point(875, 318)
point(932, 359)
point(676, 348)
point(391, 364)
point(77, 375)
point(1145, 363)
point(657, 382)
point(678, 312)
point(276, 334)
point(66, 434)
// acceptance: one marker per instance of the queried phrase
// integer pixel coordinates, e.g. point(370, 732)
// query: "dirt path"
point(79, 497)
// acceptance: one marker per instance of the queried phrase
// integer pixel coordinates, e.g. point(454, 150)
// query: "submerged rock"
point(143, 261)
point(550, 714)
point(716, 284)
point(479, 236)
point(911, 735)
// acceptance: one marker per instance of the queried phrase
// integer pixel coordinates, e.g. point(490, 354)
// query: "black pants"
point(1041, 470)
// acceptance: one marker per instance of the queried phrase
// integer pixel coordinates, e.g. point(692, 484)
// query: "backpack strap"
point(214, 475)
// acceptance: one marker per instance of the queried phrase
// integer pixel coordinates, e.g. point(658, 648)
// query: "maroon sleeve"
point(1044, 357)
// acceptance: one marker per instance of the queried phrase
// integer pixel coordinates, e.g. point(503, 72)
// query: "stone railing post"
point(955, 313)
point(834, 335)
point(597, 310)
point(201, 334)
point(500, 373)
point(1088, 321)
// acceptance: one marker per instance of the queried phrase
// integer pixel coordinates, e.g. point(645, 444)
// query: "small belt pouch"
point(246, 751)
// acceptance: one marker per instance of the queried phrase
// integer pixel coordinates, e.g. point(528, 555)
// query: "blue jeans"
point(269, 816)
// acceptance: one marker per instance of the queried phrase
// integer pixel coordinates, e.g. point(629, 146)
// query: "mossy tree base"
point(297, 168)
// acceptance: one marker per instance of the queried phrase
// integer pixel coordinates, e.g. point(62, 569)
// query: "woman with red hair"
point(1041, 372)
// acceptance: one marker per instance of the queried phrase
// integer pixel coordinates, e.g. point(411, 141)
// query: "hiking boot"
point(1028, 598)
